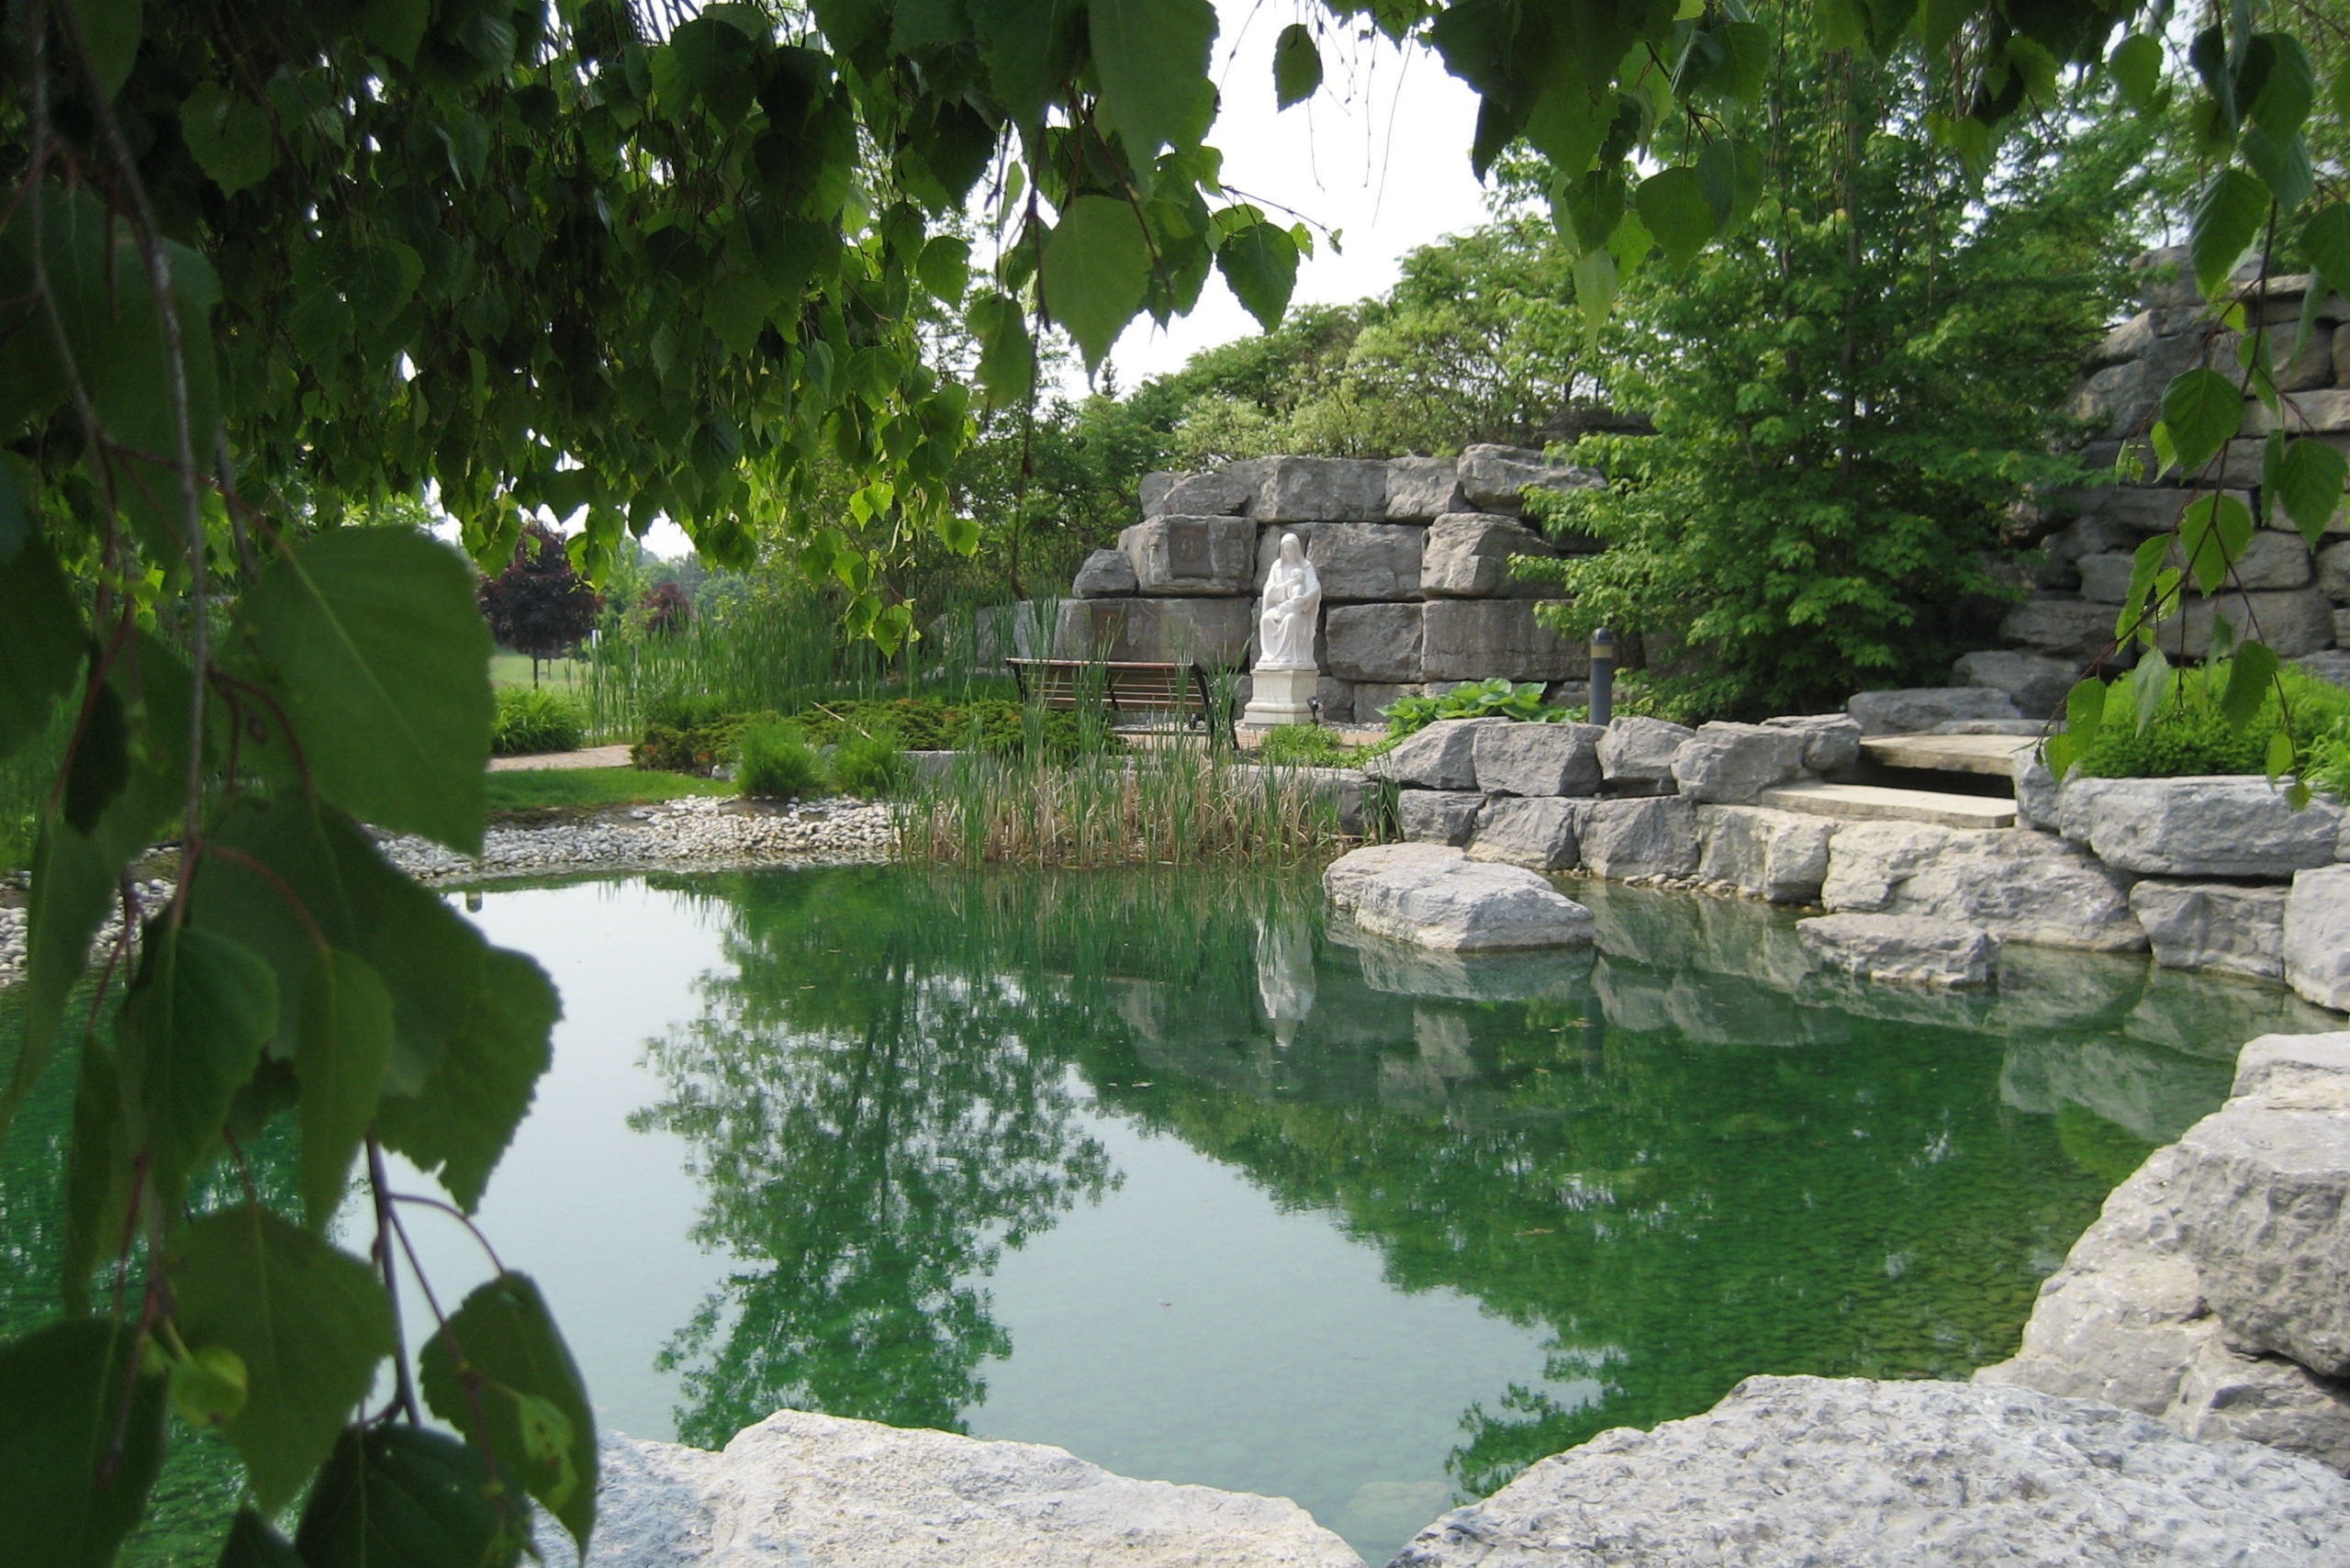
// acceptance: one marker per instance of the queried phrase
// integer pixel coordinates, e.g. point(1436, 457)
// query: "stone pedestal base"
point(1280, 696)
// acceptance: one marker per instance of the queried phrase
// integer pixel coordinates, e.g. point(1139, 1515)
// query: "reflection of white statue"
point(1285, 988)
point(1285, 616)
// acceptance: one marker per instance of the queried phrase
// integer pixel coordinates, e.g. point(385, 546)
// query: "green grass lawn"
point(556, 674)
point(559, 788)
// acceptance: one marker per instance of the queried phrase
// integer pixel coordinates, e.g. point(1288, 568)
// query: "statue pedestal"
point(1280, 697)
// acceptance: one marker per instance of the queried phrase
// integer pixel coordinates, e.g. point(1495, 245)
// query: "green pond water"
point(1158, 1168)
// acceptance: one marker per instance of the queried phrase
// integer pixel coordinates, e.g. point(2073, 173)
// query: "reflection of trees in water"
point(1677, 1175)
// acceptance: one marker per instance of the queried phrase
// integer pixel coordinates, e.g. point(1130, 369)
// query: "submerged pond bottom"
point(1158, 1168)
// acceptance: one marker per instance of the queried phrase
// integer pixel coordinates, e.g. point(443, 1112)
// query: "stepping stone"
point(1872, 802)
point(1993, 754)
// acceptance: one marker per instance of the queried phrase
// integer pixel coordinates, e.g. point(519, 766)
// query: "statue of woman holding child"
point(1286, 615)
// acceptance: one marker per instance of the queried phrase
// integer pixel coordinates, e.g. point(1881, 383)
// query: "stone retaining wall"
point(1413, 553)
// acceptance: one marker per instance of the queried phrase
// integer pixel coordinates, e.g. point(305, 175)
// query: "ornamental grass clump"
point(531, 720)
point(2188, 736)
point(868, 764)
point(775, 762)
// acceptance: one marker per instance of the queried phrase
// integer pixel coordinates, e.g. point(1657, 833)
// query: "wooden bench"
point(1123, 689)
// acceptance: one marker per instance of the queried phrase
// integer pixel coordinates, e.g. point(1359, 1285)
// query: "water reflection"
point(1679, 1159)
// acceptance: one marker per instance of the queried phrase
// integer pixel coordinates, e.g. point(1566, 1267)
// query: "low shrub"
point(1305, 745)
point(2187, 735)
point(870, 764)
point(530, 719)
point(1495, 699)
point(774, 761)
point(1000, 727)
point(694, 747)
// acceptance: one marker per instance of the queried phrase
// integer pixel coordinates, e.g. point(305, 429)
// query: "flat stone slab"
point(823, 1492)
point(1874, 803)
point(1993, 756)
point(1844, 1472)
point(1434, 896)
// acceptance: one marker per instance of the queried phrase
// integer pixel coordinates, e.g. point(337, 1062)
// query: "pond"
point(1161, 1169)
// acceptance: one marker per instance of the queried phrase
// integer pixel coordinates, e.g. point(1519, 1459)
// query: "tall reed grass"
point(1169, 806)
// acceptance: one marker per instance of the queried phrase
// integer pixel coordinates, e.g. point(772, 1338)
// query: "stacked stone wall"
point(2297, 599)
point(1413, 553)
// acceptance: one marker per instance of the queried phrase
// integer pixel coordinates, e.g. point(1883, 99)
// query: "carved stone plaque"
point(1188, 553)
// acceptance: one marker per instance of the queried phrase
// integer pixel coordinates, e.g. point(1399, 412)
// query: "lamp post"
point(1602, 675)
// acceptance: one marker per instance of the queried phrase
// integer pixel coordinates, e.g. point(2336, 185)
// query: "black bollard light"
point(1602, 675)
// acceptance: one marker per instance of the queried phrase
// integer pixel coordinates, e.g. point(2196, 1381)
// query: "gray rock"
point(1372, 696)
point(2035, 683)
point(2069, 627)
point(2329, 664)
point(2263, 1399)
point(2261, 1198)
point(1356, 561)
point(2213, 925)
point(1534, 830)
point(2037, 792)
point(1421, 489)
point(1539, 759)
point(1639, 750)
point(1164, 630)
point(2333, 571)
point(1831, 741)
point(1431, 896)
point(1441, 756)
point(2269, 561)
point(1843, 1473)
point(1176, 555)
point(1475, 639)
point(1107, 574)
point(2323, 411)
point(1728, 763)
point(1376, 643)
point(2298, 620)
point(2223, 827)
point(2117, 399)
point(1911, 949)
point(1528, 975)
point(1494, 477)
point(1469, 555)
point(1319, 489)
point(2021, 887)
point(1154, 488)
point(1622, 839)
point(1778, 855)
point(1437, 817)
point(1910, 711)
point(800, 1488)
point(1222, 492)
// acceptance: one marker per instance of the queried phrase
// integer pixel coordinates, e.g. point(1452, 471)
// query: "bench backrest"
point(1120, 687)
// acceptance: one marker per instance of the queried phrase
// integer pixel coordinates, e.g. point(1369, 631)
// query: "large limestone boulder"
point(1319, 489)
point(1107, 574)
point(1469, 555)
point(1494, 477)
point(1637, 752)
point(2034, 682)
point(2291, 621)
point(1844, 1472)
point(1831, 741)
point(1778, 855)
point(1534, 831)
point(2061, 626)
point(1431, 896)
point(1908, 949)
point(1374, 642)
point(1921, 708)
point(1220, 492)
point(1728, 763)
point(1420, 489)
point(2021, 887)
point(1357, 562)
point(1441, 756)
point(2317, 936)
point(1539, 759)
point(2213, 925)
point(1653, 837)
point(1156, 631)
point(823, 1492)
point(1182, 555)
point(2220, 826)
point(1437, 817)
point(2262, 1399)
point(1475, 639)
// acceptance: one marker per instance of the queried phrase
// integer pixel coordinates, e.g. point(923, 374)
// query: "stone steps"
point(1991, 755)
point(1874, 803)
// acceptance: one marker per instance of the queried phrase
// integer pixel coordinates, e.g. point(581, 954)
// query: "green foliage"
point(2188, 729)
point(498, 1364)
point(1847, 397)
point(521, 792)
point(870, 764)
point(530, 720)
point(1306, 745)
point(774, 761)
point(1494, 698)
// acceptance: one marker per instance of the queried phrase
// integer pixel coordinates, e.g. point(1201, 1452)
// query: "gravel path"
point(698, 832)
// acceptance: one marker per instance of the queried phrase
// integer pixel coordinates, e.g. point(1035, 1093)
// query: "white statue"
point(1285, 616)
